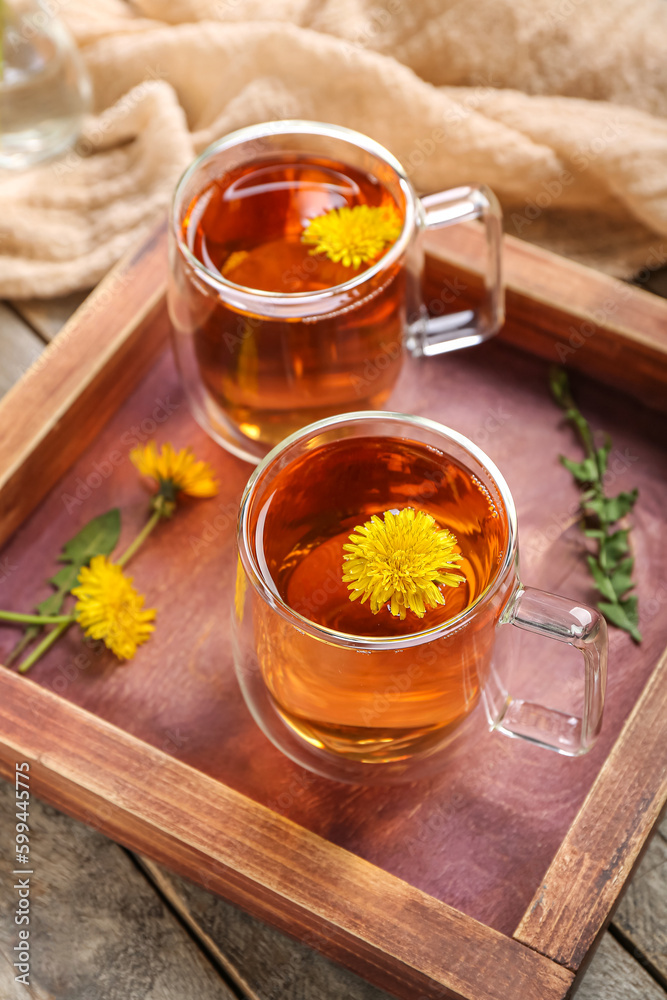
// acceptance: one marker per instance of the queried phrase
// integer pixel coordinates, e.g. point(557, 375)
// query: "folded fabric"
point(559, 105)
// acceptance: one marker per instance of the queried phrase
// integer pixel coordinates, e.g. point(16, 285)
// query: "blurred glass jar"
point(44, 88)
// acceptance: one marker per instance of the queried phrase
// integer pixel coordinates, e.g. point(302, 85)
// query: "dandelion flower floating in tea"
point(174, 472)
point(353, 236)
point(400, 559)
point(109, 608)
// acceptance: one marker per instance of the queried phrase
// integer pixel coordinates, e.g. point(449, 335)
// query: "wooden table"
point(107, 924)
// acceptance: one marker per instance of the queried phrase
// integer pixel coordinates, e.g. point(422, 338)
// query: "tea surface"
point(248, 225)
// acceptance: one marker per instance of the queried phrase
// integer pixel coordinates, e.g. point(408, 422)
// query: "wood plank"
point(615, 975)
point(642, 913)
point(261, 961)
point(560, 311)
point(394, 935)
point(265, 963)
point(48, 316)
point(605, 841)
point(80, 379)
point(19, 348)
point(97, 927)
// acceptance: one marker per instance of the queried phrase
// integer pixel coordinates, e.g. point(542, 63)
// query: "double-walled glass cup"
point(364, 708)
point(257, 365)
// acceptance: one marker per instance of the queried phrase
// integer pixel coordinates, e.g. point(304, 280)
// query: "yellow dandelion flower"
point(400, 559)
point(353, 236)
point(109, 608)
point(175, 471)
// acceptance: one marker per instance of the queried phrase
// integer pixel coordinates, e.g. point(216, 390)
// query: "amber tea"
point(384, 704)
point(251, 227)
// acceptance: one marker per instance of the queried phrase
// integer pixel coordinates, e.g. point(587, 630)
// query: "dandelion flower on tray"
point(109, 608)
point(174, 471)
point(400, 559)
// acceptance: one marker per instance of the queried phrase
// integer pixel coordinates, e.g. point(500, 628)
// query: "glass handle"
point(438, 334)
point(579, 626)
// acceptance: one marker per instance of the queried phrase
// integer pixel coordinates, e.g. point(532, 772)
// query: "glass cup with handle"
point(269, 333)
point(366, 697)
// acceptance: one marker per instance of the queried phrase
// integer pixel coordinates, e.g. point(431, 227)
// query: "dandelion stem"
point(16, 616)
point(45, 644)
point(14, 653)
point(140, 539)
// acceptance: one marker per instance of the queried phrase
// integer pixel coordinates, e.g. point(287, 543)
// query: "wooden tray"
point(493, 881)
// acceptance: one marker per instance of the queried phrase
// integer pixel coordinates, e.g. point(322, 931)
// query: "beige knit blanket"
point(559, 105)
